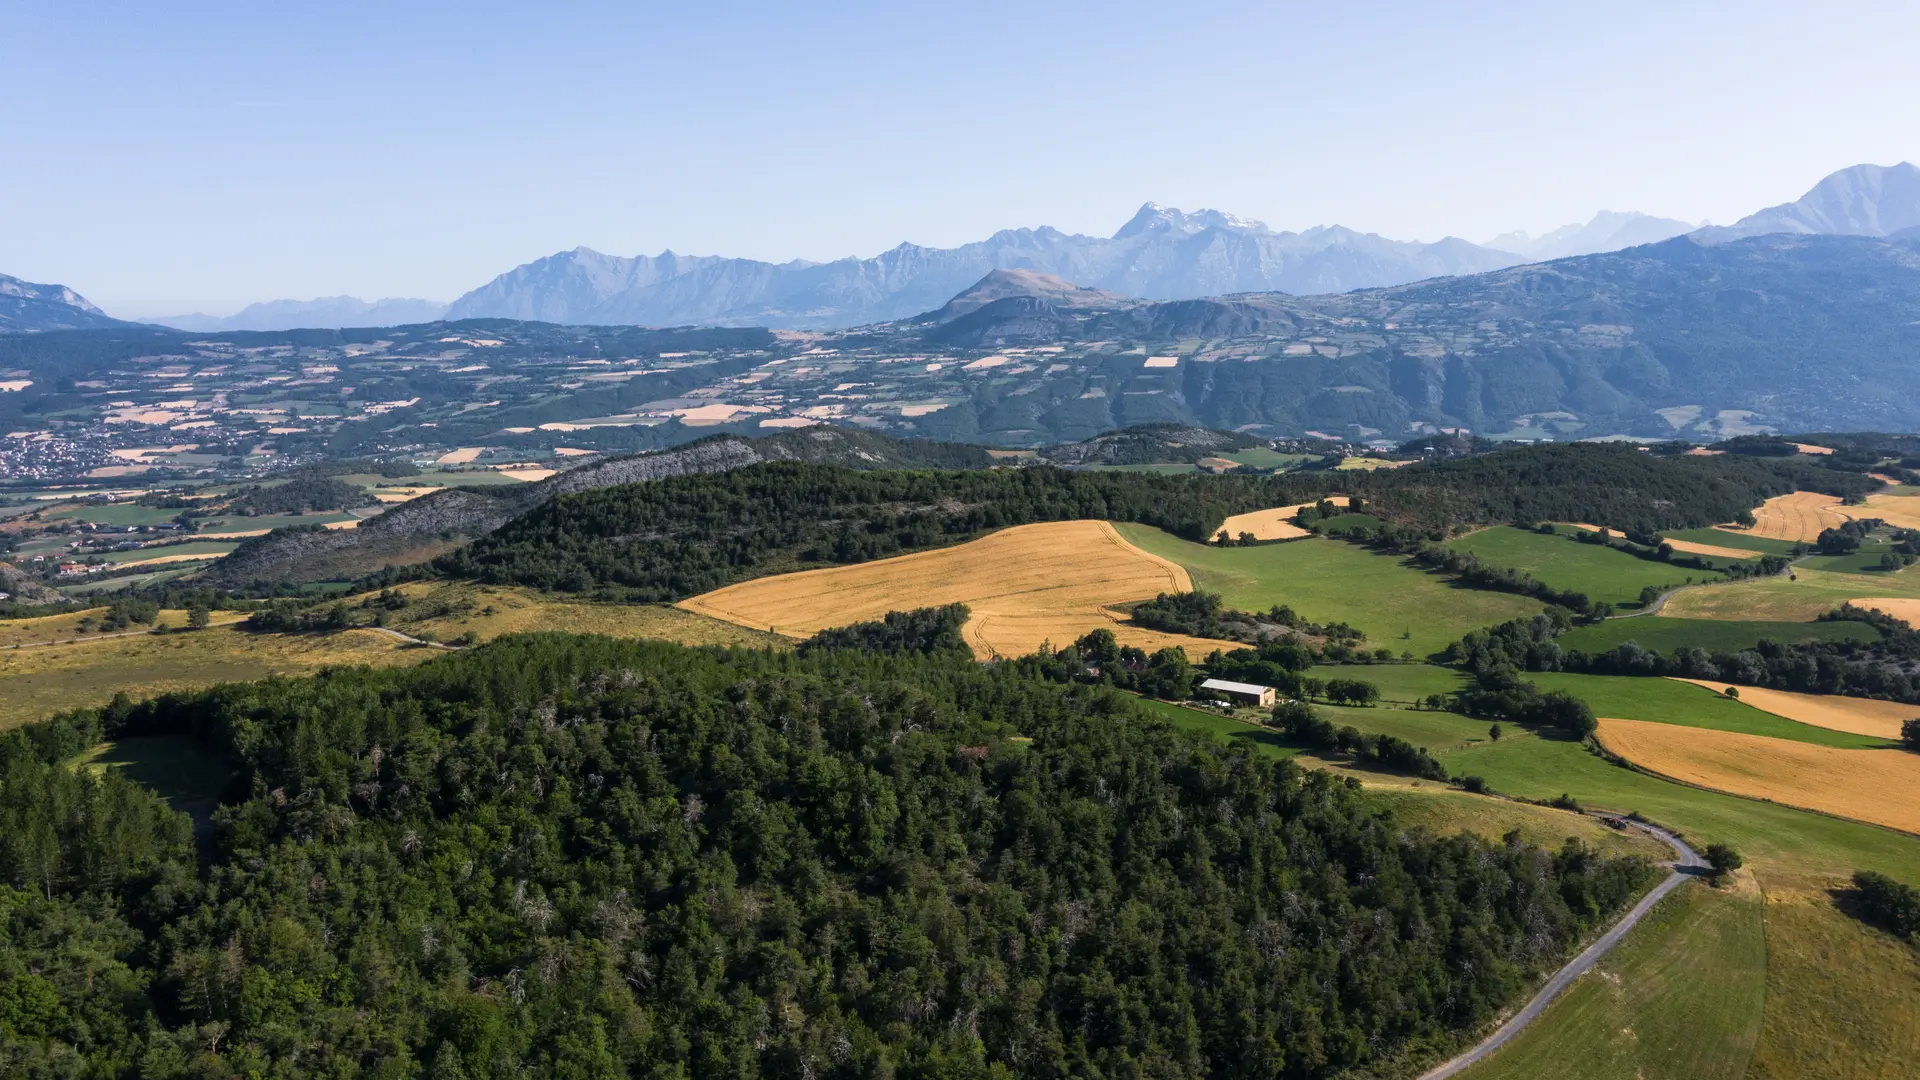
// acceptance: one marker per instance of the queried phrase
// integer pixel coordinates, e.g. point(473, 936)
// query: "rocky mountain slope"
point(27, 307)
point(1681, 337)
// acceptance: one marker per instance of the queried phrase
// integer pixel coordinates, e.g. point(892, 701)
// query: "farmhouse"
point(1242, 693)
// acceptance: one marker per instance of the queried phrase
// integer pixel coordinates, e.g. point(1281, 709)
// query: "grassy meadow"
point(1668, 701)
point(1599, 571)
point(1662, 633)
point(1680, 999)
point(1397, 606)
point(1800, 598)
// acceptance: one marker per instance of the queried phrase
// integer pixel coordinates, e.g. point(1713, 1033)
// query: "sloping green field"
point(1601, 572)
point(1397, 606)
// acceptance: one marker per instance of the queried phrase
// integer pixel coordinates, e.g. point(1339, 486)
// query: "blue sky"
point(164, 158)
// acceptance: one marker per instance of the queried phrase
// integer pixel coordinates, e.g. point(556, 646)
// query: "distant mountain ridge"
point(323, 313)
point(1609, 230)
point(1865, 200)
point(1160, 253)
point(29, 307)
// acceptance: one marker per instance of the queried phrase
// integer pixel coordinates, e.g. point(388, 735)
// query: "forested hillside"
point(682, 536)
point(576, 857)
point(679, 537)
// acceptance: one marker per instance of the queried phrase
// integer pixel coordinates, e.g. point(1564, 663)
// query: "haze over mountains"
point(326, 312)
point(1162, 253)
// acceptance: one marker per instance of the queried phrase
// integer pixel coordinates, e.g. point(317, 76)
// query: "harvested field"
point(1881, 787)
point(1690, 546)
point(1861, 716)
point(1809, 448)
point(1799, 598)
point(1693, 548)
point(1901, 511)
point(1026, 585)
point(1274, 524)
point(1906, 609)
point(1799, 517)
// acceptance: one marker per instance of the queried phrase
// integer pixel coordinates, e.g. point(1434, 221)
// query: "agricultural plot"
point(1730, 540)
point(197, 549)
point(1396, 605)
point(66, 627)
point(1447, 812)
point(1680, 999)
point(1675, 702)
point(1261, 457)
point(1601, 572)
point(1800, 598)
point(1402, 683)
point(1861, 716)
point(1876, 786)
point(1026, 586)
point(1840, 995)
point(1663, 634)
point(1799, 517)
point(449, 610)
point(1774, 838)
point(47, 680)
point(1271, 524)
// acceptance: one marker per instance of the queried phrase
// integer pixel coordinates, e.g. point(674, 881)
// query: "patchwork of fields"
point(1027, 586)
point(1601, 572)
point(1875, 786)
point(1398, 606)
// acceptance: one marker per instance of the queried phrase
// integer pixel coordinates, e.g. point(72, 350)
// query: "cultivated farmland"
point(1599, 571)
point(1800, 598)
point(1675, 702)
point(1663, 634)
point(1274, 524)
point(1876, 786)
point(1026, 586)
point(1398, 606)
point(1799, 517)
point(1861, 716)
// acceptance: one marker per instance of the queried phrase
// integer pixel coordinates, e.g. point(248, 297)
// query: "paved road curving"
point(1686, 864)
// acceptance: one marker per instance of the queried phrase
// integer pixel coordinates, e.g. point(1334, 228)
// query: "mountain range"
point(28, 307)
point(324, 313)
point(1161, 253)
point(1608, 231)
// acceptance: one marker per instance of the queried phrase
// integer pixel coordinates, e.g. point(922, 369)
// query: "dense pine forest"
point(577, 857)
point(669, 539)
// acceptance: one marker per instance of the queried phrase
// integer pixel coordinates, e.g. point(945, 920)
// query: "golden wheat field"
point(1861, 716)
point(1026, 585)
point(1877, 786)
point(1274, 524)
point(1902, 511)
point(1798, 518)
point(1691, 547)
point(1904, 608)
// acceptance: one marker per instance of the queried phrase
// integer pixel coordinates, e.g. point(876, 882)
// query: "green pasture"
point(115, 514)
point(1405, 683)
point(1742, 541)
point(1663, 634)
point(1599, 571)
point(1396, 605)
point(212, 549)
point(1766, 833)
point(1680, 999)
point(1669, 701)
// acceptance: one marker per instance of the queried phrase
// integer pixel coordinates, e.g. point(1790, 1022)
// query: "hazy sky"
point(165, 158)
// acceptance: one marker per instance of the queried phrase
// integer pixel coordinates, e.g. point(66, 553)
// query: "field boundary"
point(1616, 757)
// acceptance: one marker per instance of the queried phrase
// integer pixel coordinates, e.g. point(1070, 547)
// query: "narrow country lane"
point(1687, 863)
